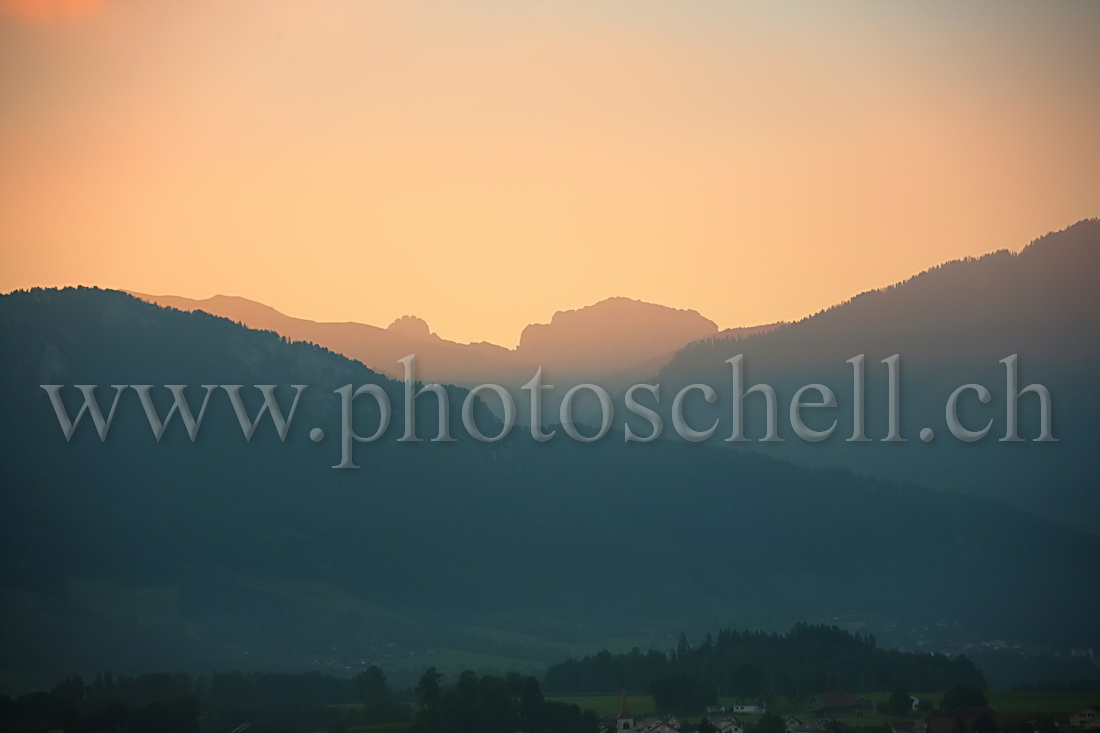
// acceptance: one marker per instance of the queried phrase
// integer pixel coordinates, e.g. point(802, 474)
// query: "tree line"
point(291, 703)
point(179, 703)
point(493, 704)
point(754, 665)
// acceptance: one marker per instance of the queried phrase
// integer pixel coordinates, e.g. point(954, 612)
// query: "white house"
point(1086, 718)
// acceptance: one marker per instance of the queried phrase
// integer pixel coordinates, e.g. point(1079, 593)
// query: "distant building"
point(1087, 718)
point(810, 726)
point(727, 724)
point(747, 709)
point(663, 727)
point(668, 724)
point(792, 723)
point(624, 721)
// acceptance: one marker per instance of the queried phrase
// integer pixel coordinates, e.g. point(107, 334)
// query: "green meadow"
point(640, 705)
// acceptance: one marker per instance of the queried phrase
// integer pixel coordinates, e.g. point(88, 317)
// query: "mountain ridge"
point(951, 325)
point(601, 340)
point(241, 543)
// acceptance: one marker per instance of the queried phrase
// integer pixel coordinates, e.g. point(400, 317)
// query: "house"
point(814, 724)
point(747, 709)
point(842, 705)
point(727, 724)
point(1086, 718)
point(657, 725)
point(792, 723)
point(663, 728)
point(668, 724)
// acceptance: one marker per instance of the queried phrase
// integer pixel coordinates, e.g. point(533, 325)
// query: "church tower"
point(624, 723)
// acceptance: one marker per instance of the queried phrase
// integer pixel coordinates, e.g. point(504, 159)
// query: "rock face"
point(413, 327)
point(610, 337)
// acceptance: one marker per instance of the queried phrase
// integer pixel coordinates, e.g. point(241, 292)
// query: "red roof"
point(624, 710)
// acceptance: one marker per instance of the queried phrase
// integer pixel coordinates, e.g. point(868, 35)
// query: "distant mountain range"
point(950, 325)
point(135, 554)
point(617, 340)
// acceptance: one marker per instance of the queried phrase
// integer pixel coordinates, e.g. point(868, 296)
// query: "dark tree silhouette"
point(963, 696)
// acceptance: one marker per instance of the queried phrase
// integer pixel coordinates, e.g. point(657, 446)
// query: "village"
point(843, 712)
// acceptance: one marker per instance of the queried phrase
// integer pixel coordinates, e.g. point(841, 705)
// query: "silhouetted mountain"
point(612, 337)
point(379, 348)
point(138, 554)
point(951, 326)
point(617, 339)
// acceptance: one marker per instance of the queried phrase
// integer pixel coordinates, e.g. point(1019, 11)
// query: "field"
point(1039, 702)
point(640, 705)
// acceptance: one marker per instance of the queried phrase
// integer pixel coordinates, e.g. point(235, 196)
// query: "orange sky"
point(484, 164)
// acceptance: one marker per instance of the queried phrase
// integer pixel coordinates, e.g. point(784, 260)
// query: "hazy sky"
point(483, 164)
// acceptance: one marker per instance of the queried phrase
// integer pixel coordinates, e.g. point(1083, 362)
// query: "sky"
point(485, 164)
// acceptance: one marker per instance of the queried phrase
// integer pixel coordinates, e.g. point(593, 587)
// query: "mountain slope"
point(133, 554)
point(951, 326)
